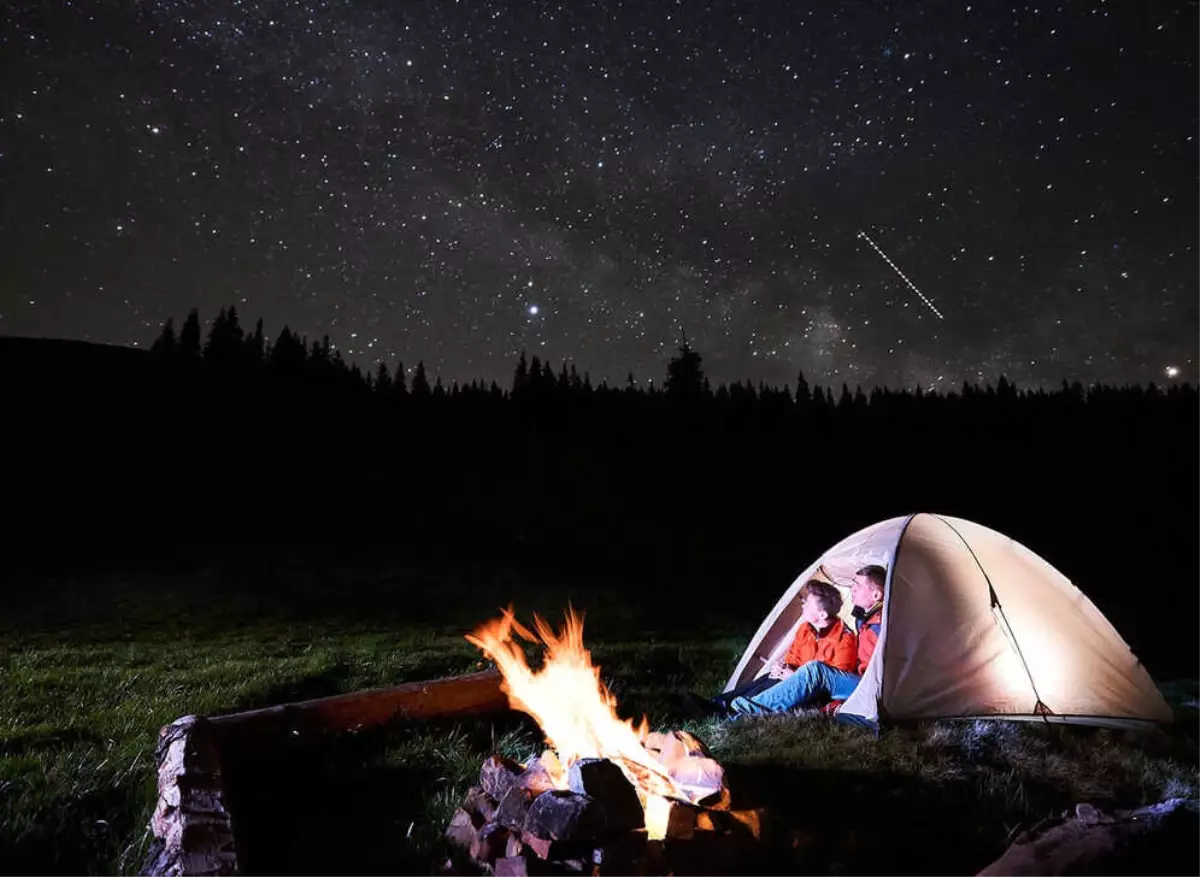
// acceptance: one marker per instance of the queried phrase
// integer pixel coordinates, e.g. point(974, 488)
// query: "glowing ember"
point(578, 714)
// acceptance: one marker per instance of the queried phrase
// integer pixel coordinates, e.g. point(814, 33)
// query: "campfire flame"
point(575, 710)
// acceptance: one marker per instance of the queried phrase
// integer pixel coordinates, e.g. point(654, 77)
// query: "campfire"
point(606, 796)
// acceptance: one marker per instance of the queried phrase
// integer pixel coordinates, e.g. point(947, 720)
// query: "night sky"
point(456, 182)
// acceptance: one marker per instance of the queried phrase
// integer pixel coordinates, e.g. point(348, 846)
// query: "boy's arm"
point(796, 653)
point(845, 653)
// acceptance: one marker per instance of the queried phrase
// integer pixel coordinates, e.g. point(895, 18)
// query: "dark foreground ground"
point(95, 666)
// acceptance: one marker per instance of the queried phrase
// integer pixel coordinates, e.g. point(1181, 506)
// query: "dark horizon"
point(642, 382)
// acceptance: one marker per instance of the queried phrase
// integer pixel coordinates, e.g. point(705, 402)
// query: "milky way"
point(457, 182)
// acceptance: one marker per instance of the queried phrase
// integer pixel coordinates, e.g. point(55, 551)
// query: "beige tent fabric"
point(1074, 659)
point(945, 654)
point(1043, 651)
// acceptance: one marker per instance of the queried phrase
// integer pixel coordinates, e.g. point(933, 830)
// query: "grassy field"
point(95, 667)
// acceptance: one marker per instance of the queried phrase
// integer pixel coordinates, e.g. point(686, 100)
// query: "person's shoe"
point(696, 707)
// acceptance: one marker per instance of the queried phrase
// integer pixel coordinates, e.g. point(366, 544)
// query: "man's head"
point(867, 589)
point(820, 602)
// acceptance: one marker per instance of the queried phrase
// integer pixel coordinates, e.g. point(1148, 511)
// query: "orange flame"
point(575, 710)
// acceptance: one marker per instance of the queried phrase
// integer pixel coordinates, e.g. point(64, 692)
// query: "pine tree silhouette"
point(420, 383)
point(685, 373)
point(189, 335)
point(383, 381)
point(520, 385)
point(165, 344)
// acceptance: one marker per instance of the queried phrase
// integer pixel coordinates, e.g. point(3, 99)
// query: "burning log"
point(566, 816)
point(596, 825)
point(603, 781)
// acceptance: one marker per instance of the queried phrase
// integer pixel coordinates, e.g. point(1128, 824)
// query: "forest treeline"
point(241, 361)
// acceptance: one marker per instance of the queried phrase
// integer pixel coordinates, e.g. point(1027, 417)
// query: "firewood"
point(511, 866)
point(563, 816)
point(681, 821)
point(514, 807)
point(623, 853)
point(463, 829)
point(574, 866)
point(720, 800)
point(748, 823)
point(536, 778)
point(606, 783)
point(498, 775)
point(489, 843)
point(712, 820)
point(539, 846)
point(701, 777)
point(705, 853)
point(692, 744)
point(514, 846)
point(481, 804)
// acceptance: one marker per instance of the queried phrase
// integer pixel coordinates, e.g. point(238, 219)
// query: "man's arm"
point(845, 652)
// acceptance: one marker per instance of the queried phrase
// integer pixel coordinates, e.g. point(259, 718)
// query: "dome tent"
point(975, 625)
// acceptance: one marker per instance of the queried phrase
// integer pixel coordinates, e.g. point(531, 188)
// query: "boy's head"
point(820, 602)
point(868, 586)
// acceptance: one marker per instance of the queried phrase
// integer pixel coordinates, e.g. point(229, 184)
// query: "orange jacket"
point(835, 648)
point(868, 622)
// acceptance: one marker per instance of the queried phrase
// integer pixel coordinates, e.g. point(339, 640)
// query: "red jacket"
point(868, 622)
point(836, 648)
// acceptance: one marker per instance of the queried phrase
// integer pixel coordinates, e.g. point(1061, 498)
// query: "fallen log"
point(1091, 842)
point(193, 825)
point(439, 698)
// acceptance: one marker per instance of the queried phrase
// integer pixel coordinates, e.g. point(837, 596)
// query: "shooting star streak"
point(894, 267)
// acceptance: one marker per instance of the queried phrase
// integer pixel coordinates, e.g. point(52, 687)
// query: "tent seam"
point(996, 602)
point(887, 613)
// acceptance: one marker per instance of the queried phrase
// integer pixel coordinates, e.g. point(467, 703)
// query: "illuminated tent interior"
point(975, 625)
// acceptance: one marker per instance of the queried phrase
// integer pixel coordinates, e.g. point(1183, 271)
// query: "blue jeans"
point(810, 681)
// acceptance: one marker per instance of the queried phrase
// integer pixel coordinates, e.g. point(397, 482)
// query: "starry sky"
point(878, 193)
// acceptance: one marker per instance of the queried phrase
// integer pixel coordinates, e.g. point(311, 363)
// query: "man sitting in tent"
point(817, 680)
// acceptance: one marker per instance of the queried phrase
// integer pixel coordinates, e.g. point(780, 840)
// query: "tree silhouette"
point(399, 383)
point(520, 385)
point(383, 381)
point(420, 383)
point(685, 374)
point(189, 335)
point(165, 344)
point(256, 343)
point(225, 338)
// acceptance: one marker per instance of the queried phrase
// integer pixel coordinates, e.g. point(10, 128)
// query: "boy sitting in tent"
point(819, 679)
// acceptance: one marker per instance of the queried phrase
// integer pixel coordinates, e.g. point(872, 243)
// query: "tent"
point(975, 625)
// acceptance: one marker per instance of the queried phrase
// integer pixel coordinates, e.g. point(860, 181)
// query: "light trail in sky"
point(903, 276)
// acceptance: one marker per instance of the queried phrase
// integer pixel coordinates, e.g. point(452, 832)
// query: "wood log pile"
point(516, 821)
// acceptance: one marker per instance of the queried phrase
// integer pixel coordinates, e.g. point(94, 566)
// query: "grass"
point(95, 667)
